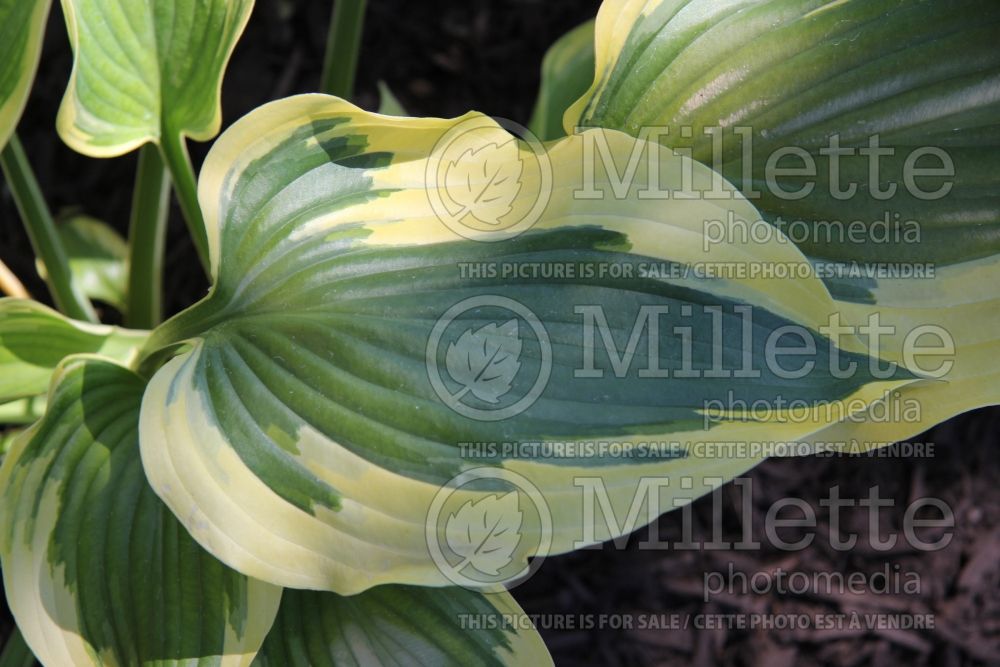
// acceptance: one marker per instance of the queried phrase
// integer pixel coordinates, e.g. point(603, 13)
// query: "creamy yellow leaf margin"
point(965, 304)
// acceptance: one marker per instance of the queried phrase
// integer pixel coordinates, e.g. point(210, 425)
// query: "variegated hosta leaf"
point(401, 625)
point(144, 69)
point(22, 26)
point(97, 259)
point(796, 73)
point(301, 437)
point(35, 338)
point(818, 78)
point(96, 569)
point(567, 73)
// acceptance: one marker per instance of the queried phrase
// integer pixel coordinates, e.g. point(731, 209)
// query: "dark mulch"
point(959, 585)
point(446, 57)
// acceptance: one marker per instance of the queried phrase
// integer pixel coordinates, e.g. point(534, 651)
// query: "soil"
point(443, 58)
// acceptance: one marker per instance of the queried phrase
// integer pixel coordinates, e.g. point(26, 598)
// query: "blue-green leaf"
point(302, 437)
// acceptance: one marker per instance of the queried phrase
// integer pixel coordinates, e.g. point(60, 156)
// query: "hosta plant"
point(256, 479)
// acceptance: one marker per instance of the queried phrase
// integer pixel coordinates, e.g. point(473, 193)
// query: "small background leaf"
point(22, 411)
point(145, 68)
point(34, 339)
point(388, 104)
point(567, 72)
point(97, 259)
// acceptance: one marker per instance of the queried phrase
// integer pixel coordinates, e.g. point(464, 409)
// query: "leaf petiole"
point(175, 155)
point(42, 232)
point(147, 237)
point(343, 43)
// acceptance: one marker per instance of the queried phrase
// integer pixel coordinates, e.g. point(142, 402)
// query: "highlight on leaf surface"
point(308, 428)
point(401, 625)
point(866, 132)
point(23, 24)
point(96, 569)
point(144, 69)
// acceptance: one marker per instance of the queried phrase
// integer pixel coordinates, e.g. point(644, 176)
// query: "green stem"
point(42, 232)
point(183, 327)
point(175, 154)
point(16, 652)
point(342, 46)
point(190, 323)
point(147, 238)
